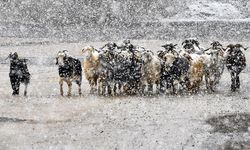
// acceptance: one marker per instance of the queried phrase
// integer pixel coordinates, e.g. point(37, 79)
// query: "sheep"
point(235, 63)
point(19, 73)
point(91, 65)
point(151, 71)
point(69, 70)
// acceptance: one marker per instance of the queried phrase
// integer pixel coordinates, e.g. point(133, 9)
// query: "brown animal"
point(91, 66)
point(196, 73)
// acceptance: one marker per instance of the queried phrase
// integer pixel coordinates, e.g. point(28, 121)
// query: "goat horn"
point(207, 49)
point(84, 50)
point(7, 58)
point(243, 47)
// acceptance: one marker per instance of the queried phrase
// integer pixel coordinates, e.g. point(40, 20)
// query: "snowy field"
point(45, 120)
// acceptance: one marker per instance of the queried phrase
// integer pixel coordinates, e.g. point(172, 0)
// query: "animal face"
point(60, 58)
point(190, 44)
point(88, 49)
point(146, 57)
point(216, 45)
point(169, 58)
point(233, 50)
point(169, 47)
point(13, 56)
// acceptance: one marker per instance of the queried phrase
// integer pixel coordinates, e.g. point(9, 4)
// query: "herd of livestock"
point(127, 69)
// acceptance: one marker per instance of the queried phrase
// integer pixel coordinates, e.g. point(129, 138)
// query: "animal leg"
point(15, 84)
point(79, 89)
point(143, 86)
point(161, 86)
point(69, 87)
point(99, 87)
point(233, 79)
point(120, 88)
point(237, 82)
point(173, 87)
point(158, 87)
point(61, 86)
point(109, 90)
point(15, 87)
point(91, 83)
point(150, 87)
point(103, 89)
point(25, 89)
point(115, 89)
point(207, 82)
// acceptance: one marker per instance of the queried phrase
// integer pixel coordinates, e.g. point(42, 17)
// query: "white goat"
point(151, 71)
point(91, 65)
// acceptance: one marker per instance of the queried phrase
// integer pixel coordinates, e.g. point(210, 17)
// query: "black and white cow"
point(69, 70)
point(19, 73)
point(235, 62)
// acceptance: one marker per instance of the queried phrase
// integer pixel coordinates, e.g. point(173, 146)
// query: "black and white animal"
point(19, 73)
point(69, 70)
point(121, 69)
point(235, 63)
point(174, 70)
point(150, 72)
point(214, 65)
point(192, 46)
point(168, 48)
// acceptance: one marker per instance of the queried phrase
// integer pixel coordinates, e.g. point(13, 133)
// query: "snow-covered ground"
point(45, 120)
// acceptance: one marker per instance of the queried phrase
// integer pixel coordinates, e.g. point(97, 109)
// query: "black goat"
point(19, 73)
point(235, 62)
point(69, 70)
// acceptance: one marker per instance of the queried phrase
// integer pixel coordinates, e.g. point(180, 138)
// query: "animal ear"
point(239, 45)
point(230, 46)
point(56, 60)
point(196, 42)
point(184, 42)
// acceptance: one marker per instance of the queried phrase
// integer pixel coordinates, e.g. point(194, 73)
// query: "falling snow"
point(44, 119)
